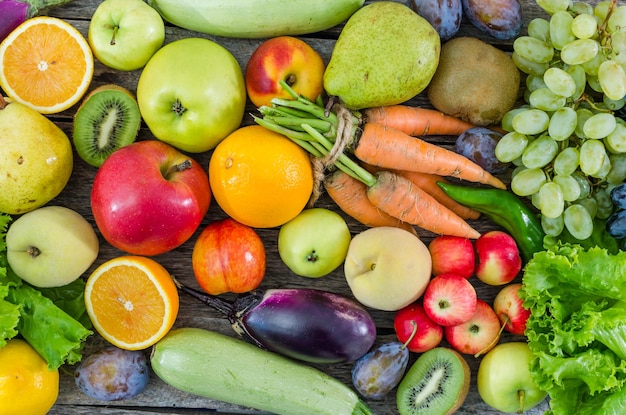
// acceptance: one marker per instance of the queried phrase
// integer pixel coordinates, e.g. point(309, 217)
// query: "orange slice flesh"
point(46, 63)
point(132, 301)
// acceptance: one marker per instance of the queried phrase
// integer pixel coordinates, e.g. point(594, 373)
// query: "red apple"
point(449, 300)
point(148, 198)
point(499, 260)
point(478, 335)
point(284, 58)
point(452, 254)
point(228, 257)
point(413, 321)
point(510, 310)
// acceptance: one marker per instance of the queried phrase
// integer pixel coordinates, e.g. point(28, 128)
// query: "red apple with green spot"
point(499, 260)
point(288, 59)
point(452, 254)
point(449, 300)
point(510, 309)
point(426, 335)
point(478, 335)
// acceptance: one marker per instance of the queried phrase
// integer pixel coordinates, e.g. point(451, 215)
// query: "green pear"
point(385, 55)
point(36, 158)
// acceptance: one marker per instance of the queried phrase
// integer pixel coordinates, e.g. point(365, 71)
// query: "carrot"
point(401, 198)
point(389, 148)
point(350, 195)
point(416, 121)
point(428, 183)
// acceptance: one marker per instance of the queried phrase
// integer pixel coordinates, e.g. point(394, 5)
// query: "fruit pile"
point(338, 175)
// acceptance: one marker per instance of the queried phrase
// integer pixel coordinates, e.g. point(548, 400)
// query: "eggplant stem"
point(212, 301)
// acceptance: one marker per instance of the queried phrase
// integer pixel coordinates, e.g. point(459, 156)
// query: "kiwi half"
point(107, 119)
point(436, 384)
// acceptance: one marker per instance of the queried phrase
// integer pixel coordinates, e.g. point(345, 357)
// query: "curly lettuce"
point(577, 327)
point(52, 320)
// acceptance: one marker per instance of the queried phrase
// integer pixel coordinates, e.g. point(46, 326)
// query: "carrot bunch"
point(386, 175)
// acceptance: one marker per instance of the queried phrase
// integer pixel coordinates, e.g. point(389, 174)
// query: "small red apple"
point(499, 260)
point(426, 335)
point(449, 300)
point(510, 310)
point(149, 198)
point(284, 58)
point(478, 335)
point(228, 257)
point(452, 254)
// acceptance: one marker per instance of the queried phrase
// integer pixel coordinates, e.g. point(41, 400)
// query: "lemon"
point(27, 386)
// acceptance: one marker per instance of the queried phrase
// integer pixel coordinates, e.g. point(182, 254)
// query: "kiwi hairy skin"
point(445, 376)
point(107, 119)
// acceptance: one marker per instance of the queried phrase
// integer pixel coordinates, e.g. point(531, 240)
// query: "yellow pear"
point(36, 159)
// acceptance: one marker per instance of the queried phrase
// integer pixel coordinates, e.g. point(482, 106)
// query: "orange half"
point(132, 301)
point(46, 63)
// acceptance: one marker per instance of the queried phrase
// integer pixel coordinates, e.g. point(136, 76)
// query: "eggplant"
point(307, 324)
point(15, 12)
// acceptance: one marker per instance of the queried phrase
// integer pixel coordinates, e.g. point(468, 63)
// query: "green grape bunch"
point(566, 142)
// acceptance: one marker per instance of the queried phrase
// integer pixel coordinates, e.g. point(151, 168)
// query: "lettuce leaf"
point(577, 327)
point(53, 321)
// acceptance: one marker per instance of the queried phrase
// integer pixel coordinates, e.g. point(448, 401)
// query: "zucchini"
point(255, 18)
point(216, 366)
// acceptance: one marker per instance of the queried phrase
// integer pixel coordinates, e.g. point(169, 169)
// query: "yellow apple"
point(387, 268)
point(36, 159)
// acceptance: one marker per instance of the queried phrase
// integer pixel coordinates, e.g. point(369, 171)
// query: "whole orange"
point(228, 257)
point(260, 178)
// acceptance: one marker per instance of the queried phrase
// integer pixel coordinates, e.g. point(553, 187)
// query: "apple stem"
point(3, 102)
point(177, 168)
point(413, 333)
point(492, 343)
point(33, 251)
point(521, 394)
point(115, 29)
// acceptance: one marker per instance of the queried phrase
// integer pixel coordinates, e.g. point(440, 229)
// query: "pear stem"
point(3, 102)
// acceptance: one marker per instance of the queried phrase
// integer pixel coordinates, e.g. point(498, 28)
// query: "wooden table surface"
point(159, 398)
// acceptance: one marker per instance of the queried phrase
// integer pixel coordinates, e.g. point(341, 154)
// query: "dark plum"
point(113, 374)
point(618, 196)
point(501, 19)
point(444, 15)
point(478, 144)
point(377, 372)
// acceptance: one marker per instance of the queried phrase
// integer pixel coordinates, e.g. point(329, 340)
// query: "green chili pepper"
point(505, 209)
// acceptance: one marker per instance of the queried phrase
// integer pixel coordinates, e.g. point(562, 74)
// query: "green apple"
point(51, 246)
point(314, 243)
point(504, 380)
point(192, 94)
point(387, 268)
point(124, 34)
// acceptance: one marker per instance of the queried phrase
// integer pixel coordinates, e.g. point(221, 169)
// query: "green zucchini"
point(254, 18)
point(216, 366)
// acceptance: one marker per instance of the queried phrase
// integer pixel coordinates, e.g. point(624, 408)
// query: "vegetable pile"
point(52, 320)
point(577, 327)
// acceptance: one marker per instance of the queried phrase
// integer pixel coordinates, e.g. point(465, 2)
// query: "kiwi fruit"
point(474, 81)
point(107, 119)
point(436, 384)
